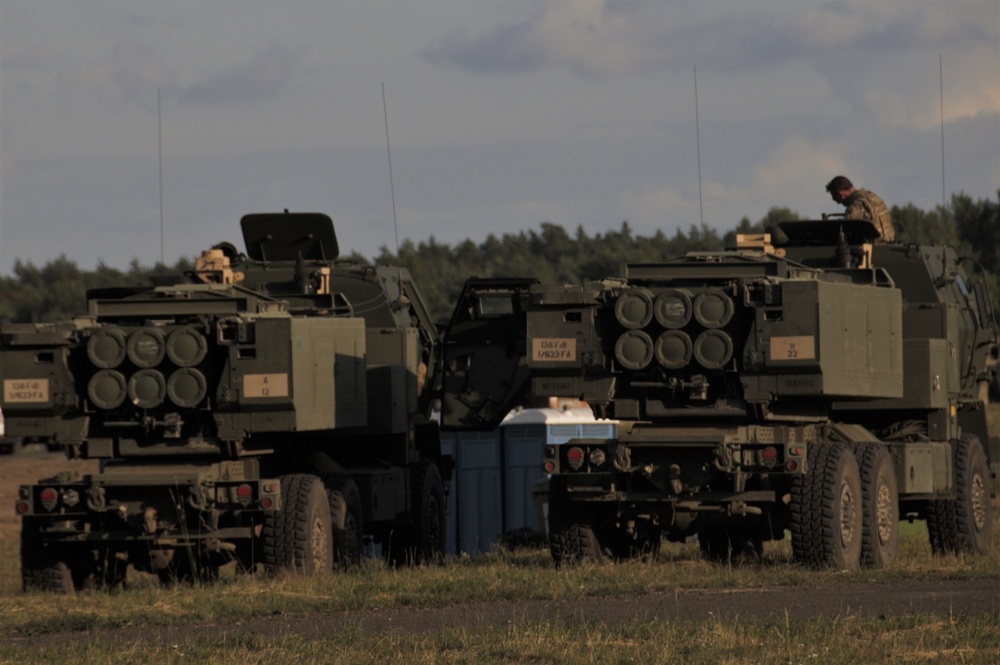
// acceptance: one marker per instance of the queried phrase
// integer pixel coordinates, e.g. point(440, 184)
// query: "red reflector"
point(266, 502)
point(22, 507)
point(48, 497)
point(549, 466)
point(244, 491)
point(791, 465)
point(770, 453)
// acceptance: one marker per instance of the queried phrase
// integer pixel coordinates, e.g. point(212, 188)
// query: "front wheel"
point(973, 504)
point(572, 538)
point(964, 524)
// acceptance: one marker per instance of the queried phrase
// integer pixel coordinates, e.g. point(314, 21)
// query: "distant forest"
point(57, 290)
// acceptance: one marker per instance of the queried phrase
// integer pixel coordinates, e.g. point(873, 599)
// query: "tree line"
point(57, 290)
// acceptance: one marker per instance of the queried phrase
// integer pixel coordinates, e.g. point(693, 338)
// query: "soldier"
point(862, 204)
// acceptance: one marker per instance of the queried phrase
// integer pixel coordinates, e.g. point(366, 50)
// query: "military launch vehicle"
point(271, 408)
point(809, 381)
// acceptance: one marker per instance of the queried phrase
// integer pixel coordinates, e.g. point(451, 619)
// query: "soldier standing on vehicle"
point(862, 204)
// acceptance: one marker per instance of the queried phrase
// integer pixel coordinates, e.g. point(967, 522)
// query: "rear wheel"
point(826, 511)
point(879, 505)
point(347, 521)
point(422, 541)
point(44, 567)
point(298, 537)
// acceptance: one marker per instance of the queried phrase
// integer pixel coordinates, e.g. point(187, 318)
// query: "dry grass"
point(502, 576)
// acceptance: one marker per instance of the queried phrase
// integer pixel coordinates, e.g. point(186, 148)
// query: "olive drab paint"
point(742, 381)
point(221, 404)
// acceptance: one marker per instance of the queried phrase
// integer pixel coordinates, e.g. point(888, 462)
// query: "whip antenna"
point(388, 152)
point(159, 140)
point(941, 84)
point(697, 140)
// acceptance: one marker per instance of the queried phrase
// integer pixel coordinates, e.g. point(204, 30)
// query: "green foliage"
point(971, 227)
point(549, 254)
point(58, 289)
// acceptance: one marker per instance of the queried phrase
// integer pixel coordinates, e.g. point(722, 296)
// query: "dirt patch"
point(946, 599)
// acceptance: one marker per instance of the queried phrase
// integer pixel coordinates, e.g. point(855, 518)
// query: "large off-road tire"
point(572, 538)
point(43, 567)
point(731, 544)
point(423, 540)
point(298, 537)
point(973, 503)
point(347, 521)
point(942, 526)
point(964, 524)
point(879, 505)
point(826, 511)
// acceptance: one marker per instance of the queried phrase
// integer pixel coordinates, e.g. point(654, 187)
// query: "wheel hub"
point(886, 513)
point(318, 542)
point(979, 499)
point(848, 514)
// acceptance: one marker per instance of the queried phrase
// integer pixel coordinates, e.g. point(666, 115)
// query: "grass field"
point(505, 576)
point(525, 574)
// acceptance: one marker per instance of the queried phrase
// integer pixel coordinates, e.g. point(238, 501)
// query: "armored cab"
point(266, 387)
point(749, 385)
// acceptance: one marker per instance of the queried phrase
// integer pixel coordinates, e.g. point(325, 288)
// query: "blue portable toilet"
point(498, 486)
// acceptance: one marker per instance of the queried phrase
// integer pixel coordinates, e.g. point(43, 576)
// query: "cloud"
point(505, 49)
point(971, 87)
point(130, 69)
point(792, 174)
point(591, 37)
point(264, 76)
point(605, 38)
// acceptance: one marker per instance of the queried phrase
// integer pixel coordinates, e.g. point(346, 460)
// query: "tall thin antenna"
point(697, 140)
point(392, 189)
point(941, 82)
point(159, 138)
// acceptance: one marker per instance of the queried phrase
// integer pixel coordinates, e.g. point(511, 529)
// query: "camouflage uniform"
point(863, 204)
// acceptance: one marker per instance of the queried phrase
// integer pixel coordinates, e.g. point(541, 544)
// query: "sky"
point(501, 115)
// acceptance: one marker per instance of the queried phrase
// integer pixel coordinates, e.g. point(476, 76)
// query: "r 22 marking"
point(800, 347)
